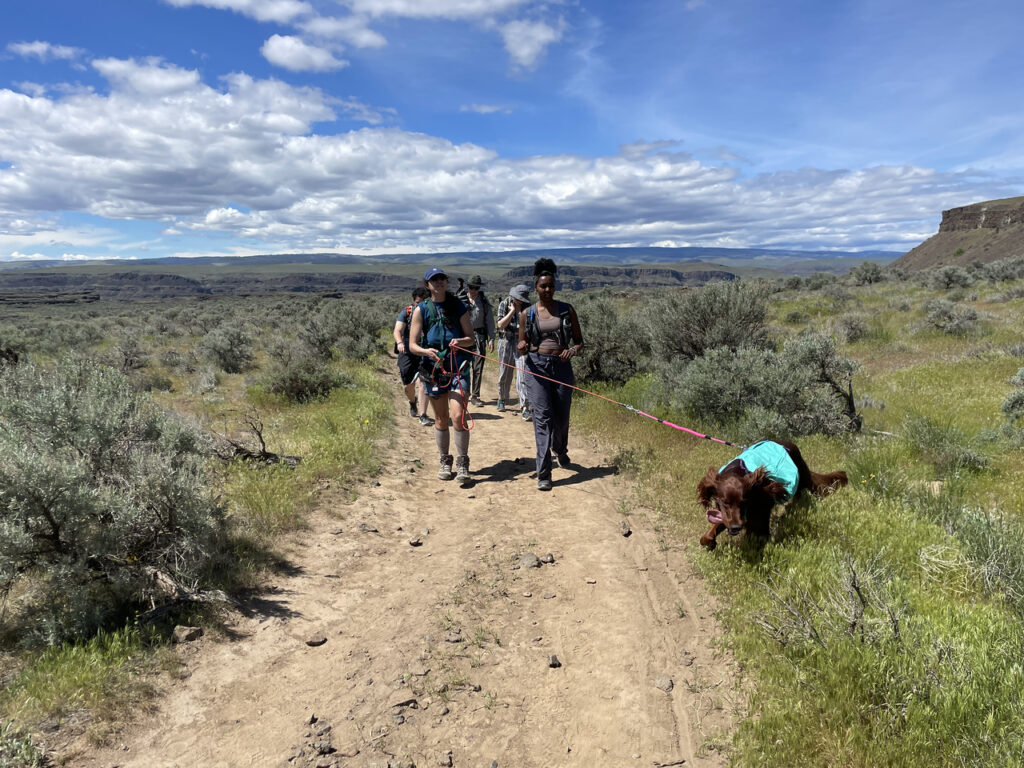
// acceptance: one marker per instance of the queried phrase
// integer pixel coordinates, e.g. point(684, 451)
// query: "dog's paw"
point(708, 542)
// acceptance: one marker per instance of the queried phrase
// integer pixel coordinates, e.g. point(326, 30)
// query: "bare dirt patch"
point(445, 644)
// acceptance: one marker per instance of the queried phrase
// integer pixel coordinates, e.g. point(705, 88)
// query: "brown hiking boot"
point(462, 470)
point(445, 472)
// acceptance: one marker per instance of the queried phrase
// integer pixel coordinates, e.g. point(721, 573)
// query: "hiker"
point(481, 316)
point(440, 325)
point(509, 310)
point(408, 364)
point(550, 337)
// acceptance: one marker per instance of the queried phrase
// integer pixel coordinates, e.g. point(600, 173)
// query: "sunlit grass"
point(929, 674)
point(100, 676)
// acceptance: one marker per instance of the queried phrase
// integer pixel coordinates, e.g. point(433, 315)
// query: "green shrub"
point(866, 273)
point(852, 327)
point(951, 318)
point(616, 348)
point(229, 347)
point(304, 379)
point(947, 278)
point(685, 325)
point(1004, 269)
point(804, 389)
point(351, 327)
point(104, 498)
point(17, 750)
point(947, 448)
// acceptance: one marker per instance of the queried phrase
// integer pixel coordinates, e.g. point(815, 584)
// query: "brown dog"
point(740, 495)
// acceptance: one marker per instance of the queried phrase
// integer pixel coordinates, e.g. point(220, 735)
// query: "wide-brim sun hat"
point(434, 272)
point(520, 292)
point(475, 281)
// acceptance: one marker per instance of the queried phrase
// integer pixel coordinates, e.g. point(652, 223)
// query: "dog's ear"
point(759, 479)
point(706, 487)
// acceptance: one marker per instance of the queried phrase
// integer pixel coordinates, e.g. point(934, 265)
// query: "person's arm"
point(507, 317)
point(468, 334)
point(398, 333)
point(577, 337)
point(522, 347)
point(489, 324)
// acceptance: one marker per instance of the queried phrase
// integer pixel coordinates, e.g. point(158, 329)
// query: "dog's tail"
point(824, 484)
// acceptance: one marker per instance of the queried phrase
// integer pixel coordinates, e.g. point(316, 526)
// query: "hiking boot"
point(544, 484)
point(476, 401)
point(445, 472)
point(527, 416)
point(562, 460)
point(426, 421)
point(501, 406)
point(412, 409)
point(462, 471)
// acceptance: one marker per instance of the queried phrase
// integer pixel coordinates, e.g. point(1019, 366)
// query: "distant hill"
point(579, 268)
point(983, 232)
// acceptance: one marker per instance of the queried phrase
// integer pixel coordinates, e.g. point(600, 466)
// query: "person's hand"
point(490, 345)
point(401, 348)
point(521, 347)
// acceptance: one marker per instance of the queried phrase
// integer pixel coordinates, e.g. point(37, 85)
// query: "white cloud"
point(151, 76)
point(353, 109)
point(526, 41)
point(295, 55)
point(44, 51)
point(450, 9)
point(485, 109)
point(280, 11)
point(243, 159)
point(350, 29)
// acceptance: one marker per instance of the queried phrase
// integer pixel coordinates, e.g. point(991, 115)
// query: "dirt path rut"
point(440, 638)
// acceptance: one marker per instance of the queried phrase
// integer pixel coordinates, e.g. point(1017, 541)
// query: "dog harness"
point(776, 462)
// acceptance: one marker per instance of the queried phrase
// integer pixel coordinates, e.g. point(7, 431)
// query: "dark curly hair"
point(544, 266)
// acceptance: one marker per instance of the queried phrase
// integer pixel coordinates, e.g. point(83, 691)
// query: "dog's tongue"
point(714, 517)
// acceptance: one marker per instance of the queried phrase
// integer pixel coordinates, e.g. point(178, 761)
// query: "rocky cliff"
point(61, 286)
point(984, 232)
point(579, 278)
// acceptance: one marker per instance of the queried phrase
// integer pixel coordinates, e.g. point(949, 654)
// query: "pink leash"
point(616, 402)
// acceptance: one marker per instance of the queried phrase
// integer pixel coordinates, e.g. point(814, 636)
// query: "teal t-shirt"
point(776, 462)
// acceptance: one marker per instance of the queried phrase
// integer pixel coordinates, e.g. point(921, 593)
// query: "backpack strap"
point(564, 325)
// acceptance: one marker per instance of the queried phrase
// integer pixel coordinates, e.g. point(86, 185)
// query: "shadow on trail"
point(506, 469)
point(270, 601)
point(583, 474)
point(477, 416)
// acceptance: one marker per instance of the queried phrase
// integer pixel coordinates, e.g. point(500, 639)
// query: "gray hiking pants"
point(550, 402)
point(506, 355)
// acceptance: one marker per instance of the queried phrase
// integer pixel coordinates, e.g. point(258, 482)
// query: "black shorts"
point(408, 366)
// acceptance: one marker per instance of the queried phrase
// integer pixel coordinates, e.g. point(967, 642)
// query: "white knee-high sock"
point(462, 442)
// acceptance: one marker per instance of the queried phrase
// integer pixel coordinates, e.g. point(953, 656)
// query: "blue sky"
point(141, 128)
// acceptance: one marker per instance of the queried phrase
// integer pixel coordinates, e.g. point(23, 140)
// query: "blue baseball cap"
point(434, 272)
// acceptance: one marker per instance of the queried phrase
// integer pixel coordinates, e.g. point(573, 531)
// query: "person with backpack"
point(408, 363)
point(550, 337)
point(509, 310)
point(440, 327)
point(481, 317)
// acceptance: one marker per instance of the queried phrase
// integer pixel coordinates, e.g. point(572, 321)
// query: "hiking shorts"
point(436, 388)
point(408, 367)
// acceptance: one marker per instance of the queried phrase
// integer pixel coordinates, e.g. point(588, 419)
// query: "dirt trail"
point(446, 646)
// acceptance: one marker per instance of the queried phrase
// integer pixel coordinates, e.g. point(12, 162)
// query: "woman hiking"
point(440, 326)
point(550, 337)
